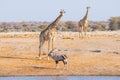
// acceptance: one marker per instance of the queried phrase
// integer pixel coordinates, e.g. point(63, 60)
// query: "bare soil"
point(96, 54)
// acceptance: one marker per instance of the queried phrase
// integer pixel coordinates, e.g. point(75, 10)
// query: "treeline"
point(22, 26)
point(112, 24)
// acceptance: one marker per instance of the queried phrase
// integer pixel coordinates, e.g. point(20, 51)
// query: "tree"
point(114, 23)
point(70, 26)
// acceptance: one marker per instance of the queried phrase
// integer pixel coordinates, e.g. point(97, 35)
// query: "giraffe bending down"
point(83, 24)
point(49, 33)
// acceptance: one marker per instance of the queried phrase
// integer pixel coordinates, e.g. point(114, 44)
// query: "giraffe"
point(83, 23)
point(48, 34)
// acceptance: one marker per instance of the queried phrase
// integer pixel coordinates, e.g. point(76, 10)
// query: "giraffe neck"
point(86, 15)
point(55, 23)
point(58, 19)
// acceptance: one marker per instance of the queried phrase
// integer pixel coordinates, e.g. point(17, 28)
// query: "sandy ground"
point(97, 54)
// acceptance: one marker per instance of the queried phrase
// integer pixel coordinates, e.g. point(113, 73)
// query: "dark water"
point(62, 78)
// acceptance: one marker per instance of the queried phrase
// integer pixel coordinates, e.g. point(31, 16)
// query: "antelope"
point(58, 57)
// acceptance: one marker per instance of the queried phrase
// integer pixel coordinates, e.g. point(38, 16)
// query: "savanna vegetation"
point(112, 24)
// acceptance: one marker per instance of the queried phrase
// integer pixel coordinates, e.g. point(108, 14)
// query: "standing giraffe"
point(49, 33)
point(83, 24)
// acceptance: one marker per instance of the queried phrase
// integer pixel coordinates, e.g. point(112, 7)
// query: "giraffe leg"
point(81, 31)
point(52, 42)
point(48, 47)
point(40, 47)
point(79, 34)
point(85, 31)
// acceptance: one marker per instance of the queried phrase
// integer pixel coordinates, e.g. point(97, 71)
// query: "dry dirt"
point(97, 54)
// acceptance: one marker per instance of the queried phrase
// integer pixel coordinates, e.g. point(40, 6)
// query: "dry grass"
point(94, 55)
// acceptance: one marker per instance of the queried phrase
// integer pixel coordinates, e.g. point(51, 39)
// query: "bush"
point(70, 26)
point(98, 27)
point(114, 23)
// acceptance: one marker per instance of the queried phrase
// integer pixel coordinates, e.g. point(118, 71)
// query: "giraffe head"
point(62, 12)
point(88, 7)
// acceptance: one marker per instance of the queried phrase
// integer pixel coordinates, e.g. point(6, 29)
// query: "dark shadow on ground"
point(41, 67)
point(14, 57)
point(97, 51)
